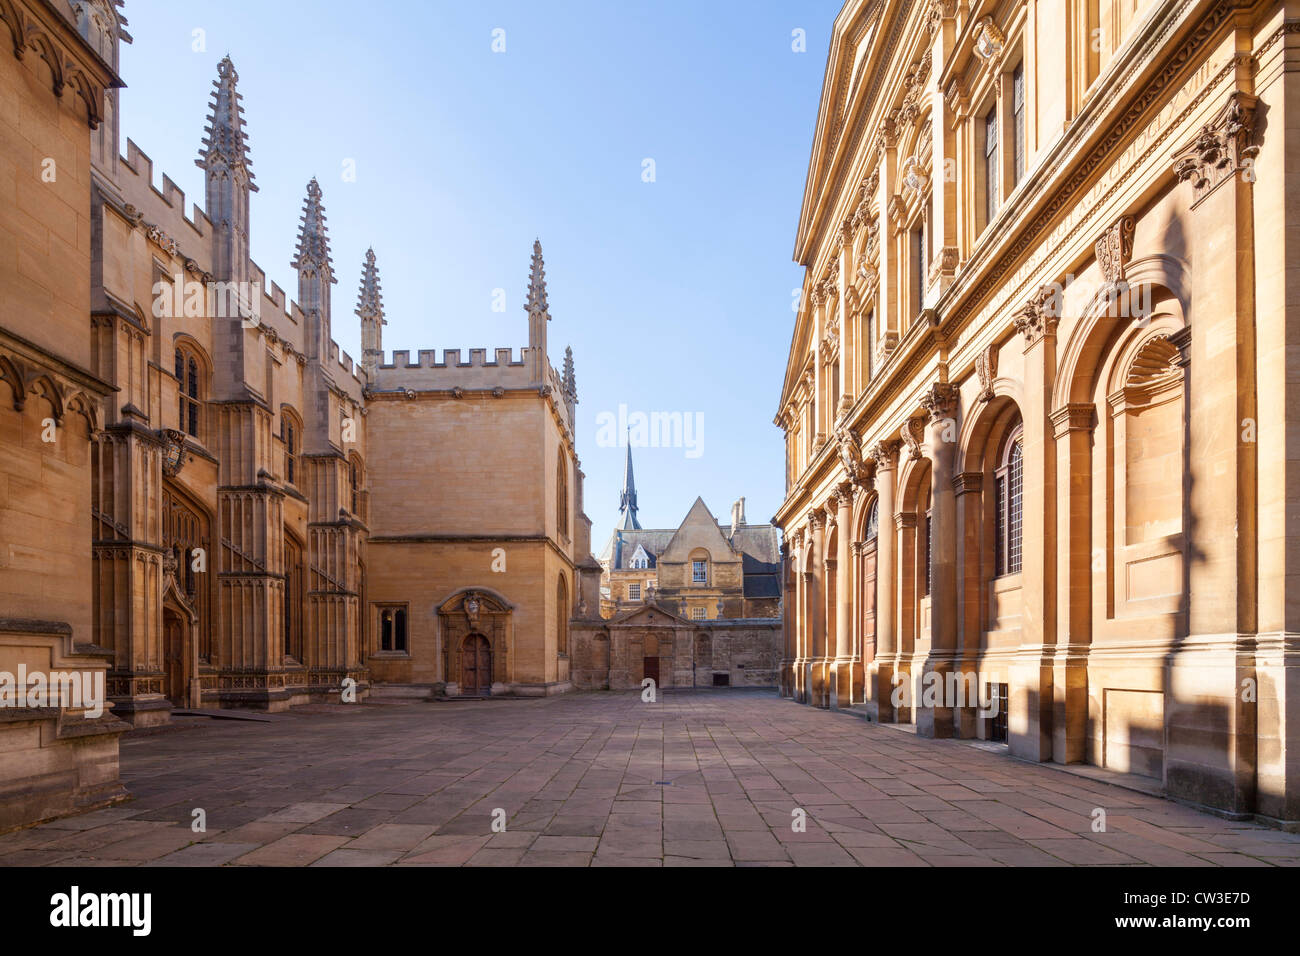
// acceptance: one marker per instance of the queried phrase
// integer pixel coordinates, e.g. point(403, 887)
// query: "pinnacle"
point(370, 300)
point(536, 303)
point(224, 142)
point(313, 235)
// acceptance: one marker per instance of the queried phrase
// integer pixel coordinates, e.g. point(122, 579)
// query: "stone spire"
point(370, 309)
point(313, 234)
point(536, 303)
point(315, 272)
point(627, 501)
point(224, 157)
point(570, 382)
point(538, 316)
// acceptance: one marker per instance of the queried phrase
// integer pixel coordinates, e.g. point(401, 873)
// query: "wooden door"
point(651, 669)
point(869, 604)
point(174, 660)
point(476, 665)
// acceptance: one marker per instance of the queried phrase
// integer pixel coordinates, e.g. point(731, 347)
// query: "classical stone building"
point(1040, 398)
point(57, 756)
point(698, 605)
point(232, 514)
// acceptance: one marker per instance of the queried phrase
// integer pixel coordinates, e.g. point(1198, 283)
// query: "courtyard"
point(698, 778)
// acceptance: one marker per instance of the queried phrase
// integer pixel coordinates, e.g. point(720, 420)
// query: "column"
point(934, 712)
point(815, 679)
point(1210, 729)
point(884, 454)
point(1029, 724)
point(843, 666)
point(1073, 426)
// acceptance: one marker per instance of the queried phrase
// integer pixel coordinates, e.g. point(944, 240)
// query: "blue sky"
point(674, 294)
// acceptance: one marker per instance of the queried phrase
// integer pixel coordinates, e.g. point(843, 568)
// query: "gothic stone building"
point(233, 514)
point(698, 605)
point(1040, 396)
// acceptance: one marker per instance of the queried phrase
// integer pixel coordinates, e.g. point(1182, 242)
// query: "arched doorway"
point(476, 665)
point(175, 676)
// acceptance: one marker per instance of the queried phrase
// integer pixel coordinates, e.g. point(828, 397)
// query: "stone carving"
point(986, 367)
point(850, 447)
point(882, 452)
point(912, 433)
point(989, 40)
point(1114, 249)
point(940, 401)
point(1221, 149)
point(940, 10)
point(1040, 315)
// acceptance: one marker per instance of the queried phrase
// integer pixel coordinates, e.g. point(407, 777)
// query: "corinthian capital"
point(940, 400)
point(1221, 149)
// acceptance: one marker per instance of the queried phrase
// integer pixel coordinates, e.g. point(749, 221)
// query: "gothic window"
point(185, 533)
point(187, 379)
point(1008, 483)
point(640, 562)
point(355, 477)
point(291, 435)
point(392, 628)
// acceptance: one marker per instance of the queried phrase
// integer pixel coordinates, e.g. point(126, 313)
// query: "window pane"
point(1014, 509)
point(399, 639)
point(1018, 81)
point(386, 631)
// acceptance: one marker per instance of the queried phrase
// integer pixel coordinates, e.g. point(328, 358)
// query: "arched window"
point(873, 521)
point(291, 435)
point(355, 478)
point(187, 379)
point(562, 497)
point(1008, 484)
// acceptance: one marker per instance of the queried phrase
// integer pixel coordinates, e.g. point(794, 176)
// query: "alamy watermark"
point(651, 430)
point(80, 689)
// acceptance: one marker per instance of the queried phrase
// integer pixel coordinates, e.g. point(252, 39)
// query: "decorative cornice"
point(967, 482)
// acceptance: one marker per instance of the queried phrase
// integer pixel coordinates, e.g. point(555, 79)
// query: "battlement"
point(474, 371)
point(186, 230)
point(428, 358)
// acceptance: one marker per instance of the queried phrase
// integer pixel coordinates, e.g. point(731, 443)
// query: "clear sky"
point(675, 294)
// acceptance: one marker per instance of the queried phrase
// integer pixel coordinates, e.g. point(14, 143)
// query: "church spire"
point(313, 234)
point(370, 309)
point(627, 501)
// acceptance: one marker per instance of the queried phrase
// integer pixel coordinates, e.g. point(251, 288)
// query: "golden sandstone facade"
point(1038, 407)
point(203, 503)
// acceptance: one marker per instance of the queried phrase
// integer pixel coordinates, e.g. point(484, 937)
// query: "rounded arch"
point(450, 602)
point(975, 423)
point(866, 513)
point(1162, 278)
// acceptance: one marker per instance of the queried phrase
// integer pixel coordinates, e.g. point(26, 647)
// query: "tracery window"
point(187, 377)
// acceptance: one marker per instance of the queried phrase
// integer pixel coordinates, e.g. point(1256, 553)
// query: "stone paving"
point(700, 778)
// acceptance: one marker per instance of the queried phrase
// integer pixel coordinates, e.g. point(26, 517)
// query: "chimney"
point(737, 514)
